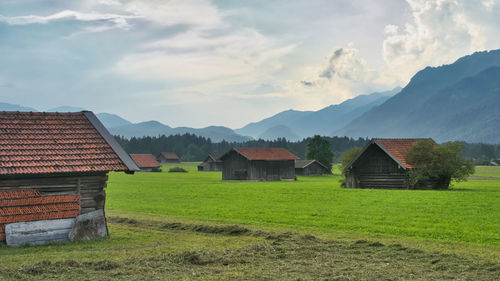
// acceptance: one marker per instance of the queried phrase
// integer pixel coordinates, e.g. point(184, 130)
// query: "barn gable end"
point(58, 154)
point(380, 164)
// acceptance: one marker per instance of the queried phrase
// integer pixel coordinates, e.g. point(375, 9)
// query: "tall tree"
point(320, 149)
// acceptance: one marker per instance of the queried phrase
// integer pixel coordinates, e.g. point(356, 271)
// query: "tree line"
point(190, 147)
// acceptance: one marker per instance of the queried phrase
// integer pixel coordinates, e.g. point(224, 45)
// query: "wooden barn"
point(310, 168)
point(168, 157)
point(263, 164)
point(380, 164)
point(146, 162)
point(55, 165)
point(211, 163)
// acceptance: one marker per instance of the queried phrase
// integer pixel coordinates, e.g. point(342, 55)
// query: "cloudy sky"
point(199, 62)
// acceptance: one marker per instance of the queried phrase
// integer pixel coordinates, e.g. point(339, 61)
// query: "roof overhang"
point(126, 159)
point(374, 142)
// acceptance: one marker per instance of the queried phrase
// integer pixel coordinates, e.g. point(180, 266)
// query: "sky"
point(198, 62)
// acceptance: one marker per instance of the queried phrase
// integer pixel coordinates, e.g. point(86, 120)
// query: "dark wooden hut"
point(310, 168)
point(63, 155)
point(168, 157)
point(210, 163)
point(146, 162)
point(380, 164)
point(266, 164)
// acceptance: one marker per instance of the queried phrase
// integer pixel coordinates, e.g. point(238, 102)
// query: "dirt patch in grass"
point(278, 256)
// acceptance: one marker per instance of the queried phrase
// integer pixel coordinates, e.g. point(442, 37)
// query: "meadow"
point(468, 213)
point(185, 226)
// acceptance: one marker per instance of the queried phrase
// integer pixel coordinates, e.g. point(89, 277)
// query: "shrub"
point(177, 170)
point(435, 166)
point(156, 170)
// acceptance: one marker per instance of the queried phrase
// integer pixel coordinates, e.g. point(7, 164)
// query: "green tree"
point(347, 157)
point(435, 166)
point(193, 153)
point(320, 149)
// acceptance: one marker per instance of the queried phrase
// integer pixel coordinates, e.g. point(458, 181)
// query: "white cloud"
point(441, 32)
point(200, 13)
point(198, 55)
point(344, 75)
point(119, 21)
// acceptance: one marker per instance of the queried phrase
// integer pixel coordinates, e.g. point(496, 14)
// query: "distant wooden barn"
point(168, 157)
point(310, 168)
point(64, 156)
point(265, 164)
point(211, 163)
point(380, 164)
point(146, 162)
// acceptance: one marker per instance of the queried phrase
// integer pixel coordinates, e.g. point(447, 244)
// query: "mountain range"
point(459, 101)
point(295, 125)
point(291, 124)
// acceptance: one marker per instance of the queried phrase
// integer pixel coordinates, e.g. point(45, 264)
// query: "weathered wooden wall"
point(312, 169)
point(89, 186)
point(234, 165)
point(210, 166)
point(376, 169)
point(272, 170)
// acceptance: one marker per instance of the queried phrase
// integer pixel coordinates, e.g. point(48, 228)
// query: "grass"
point(185, 226)
point(467, 214)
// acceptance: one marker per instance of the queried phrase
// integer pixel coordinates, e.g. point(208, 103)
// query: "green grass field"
point(185, 226)
point(469, 213)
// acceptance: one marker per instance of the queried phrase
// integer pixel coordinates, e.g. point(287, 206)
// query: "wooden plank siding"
point(376, 169)
point(89, 186)
point(237, 167)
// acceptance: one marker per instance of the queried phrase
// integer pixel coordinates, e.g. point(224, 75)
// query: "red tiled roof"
point(145, 160)
point(269, 154)
point(29, 205)
point(40, 143)
point(398, 148)
point(169, 155)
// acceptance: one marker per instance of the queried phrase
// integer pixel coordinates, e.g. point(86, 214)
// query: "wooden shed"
point(211, 163)
point(168, 157)
point(146, 162)
point(66, 156)
point(310, 168)
point(264, 164)
point(380, 164)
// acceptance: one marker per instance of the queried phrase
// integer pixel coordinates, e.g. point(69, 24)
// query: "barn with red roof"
point(381, 164)
point(265, 164)
point(55, 165)
point(168, 157)
point(146, 162)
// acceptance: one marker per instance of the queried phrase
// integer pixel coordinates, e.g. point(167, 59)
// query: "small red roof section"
point(29, 205)
point(54, 143)
point(145, 161)
point(169, 155)
point(267, 154)
point(397, 148)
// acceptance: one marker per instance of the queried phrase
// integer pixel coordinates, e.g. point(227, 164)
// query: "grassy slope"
point(468, 214)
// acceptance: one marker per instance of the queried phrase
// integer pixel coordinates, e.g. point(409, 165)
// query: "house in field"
point(168, 157)
point(266, 164)
point(310, 168)
point(146, 162)
point(211, 163)
point(54, 166)
point(380, 164)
